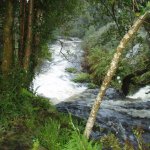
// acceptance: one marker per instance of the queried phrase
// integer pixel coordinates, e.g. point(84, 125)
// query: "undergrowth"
point(82, 78)
point(30, 122)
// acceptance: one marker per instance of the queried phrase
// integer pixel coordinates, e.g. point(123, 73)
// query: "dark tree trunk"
point(28, 46)
point(2, 6)
point(8, 38)
point(22, 31)
point(36, 38)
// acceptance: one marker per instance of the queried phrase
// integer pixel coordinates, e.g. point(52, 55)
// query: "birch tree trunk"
point(28, 43)
point(8, 38)
point(111, 71)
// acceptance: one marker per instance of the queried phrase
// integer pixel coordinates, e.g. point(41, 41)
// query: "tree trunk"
point(8, 39)
point(28, 46)
point(111, 71)
point(1, 30)
point(22, 31)
point(36, 38)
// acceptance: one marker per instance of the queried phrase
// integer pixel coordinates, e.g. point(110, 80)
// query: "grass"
point(82, 78)
point(71, 70)
point(29, 122)
point(92, 86)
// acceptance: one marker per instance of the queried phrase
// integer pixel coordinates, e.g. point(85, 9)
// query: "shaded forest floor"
point(30, 122)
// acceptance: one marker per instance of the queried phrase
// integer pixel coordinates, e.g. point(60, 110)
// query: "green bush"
point(110, 141)
point(71, 70)
point(99, 47)
point(79, 142)
point(82, 78)
point(49, 135)
point(92, 86)
point(99, 61)
point(106, 37)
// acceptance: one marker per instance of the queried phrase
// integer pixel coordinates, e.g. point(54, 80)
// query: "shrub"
point(92, 86)
point(99, 61)
point(79, 142)
point(82, 78)
point(110, 142)
point(71, 70)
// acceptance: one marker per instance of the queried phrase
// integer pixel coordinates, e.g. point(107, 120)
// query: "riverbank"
point(119, 115)
point(33, 124)
point(36, 124)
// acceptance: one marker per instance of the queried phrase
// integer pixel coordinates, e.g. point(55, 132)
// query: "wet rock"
point(118, 116)
point(112, 93)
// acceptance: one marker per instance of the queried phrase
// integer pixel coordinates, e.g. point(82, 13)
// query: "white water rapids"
point(55, 83)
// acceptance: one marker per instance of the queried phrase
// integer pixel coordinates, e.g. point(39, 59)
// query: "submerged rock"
point(117, 115)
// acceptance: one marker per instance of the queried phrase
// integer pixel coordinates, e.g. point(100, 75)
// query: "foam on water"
point(55, 83)
point(143, 93)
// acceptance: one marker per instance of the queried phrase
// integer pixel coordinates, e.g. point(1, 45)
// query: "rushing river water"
point(118, 114)
point(53, 81)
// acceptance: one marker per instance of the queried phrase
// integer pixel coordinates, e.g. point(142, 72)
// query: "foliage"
point(106, 37)
point(99, 47)
point(79, 142)
point(31, 122)
point(141, 144)
point(110, 141)
point(99, 61)
point(92, 85)
point(71, 70)
point(35, 144)
point(82, 77)
point(24, 116)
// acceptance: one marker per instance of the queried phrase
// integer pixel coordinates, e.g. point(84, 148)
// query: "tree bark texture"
point(7, 58)
point(22, 31)
point(36, 37)
point(110, 73)
point(28, 43)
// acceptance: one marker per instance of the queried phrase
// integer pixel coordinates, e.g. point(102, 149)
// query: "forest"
point(69, 71)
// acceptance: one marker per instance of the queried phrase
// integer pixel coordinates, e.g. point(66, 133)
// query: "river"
point(54, 81)
point(117, 115)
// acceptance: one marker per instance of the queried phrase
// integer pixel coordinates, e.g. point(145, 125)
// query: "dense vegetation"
point(26, 29)
point(103, 25)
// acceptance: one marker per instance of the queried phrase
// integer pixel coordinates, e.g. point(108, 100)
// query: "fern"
point(79, 142)
point(99, 61)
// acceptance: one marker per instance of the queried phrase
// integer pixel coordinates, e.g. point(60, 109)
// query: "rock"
point(112, 93)
point(118, 116)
